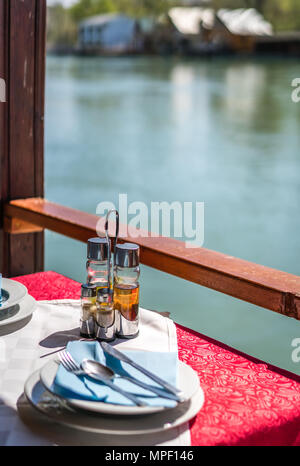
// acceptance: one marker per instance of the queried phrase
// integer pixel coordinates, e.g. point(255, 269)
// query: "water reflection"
point(247, 100)
point(177, 130)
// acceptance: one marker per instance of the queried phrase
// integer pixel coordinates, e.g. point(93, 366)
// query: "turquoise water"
point(222, 131)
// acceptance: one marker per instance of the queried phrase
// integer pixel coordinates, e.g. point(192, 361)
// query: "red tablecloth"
point(246, 402)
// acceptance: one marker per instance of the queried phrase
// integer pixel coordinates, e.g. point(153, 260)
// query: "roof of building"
point(99, 20)
point(188, 20)
point(245, 21)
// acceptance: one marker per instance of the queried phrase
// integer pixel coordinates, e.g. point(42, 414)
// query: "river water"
point(224, 132)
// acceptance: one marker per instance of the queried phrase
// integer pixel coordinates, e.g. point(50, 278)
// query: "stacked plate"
point(112, 419)
point(15, 304)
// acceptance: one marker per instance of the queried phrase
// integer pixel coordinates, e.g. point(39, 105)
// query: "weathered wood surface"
point(3, 127)
point(22, 117)
point(272, 289)
point(15, 226)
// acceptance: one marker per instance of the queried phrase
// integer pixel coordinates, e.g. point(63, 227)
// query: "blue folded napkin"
point(69, 385)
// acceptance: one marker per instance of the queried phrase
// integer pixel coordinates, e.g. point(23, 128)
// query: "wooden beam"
point(4, 33)
point(22, 162)
point(272, 289)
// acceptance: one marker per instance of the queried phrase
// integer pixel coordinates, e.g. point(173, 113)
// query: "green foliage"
point(84, 8)
point(258, 4)
point(61, 29)
point(284, 14)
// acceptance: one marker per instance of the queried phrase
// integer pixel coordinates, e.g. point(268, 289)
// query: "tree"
point(136, 8)
point(61, 29)
point(85, 8)
point(283, 14)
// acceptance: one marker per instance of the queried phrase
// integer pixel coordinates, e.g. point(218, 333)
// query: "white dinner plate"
point(13, 293)
point(17, 312)
point(57, 410)
point(188, 382)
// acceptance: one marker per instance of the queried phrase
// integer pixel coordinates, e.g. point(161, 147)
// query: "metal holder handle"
point(115, 242)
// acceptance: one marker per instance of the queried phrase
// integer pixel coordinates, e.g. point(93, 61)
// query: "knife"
point(122, 357)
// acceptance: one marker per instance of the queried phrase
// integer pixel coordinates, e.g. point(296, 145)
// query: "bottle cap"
point(88, 290)
point(127, 255)
point(97, 249)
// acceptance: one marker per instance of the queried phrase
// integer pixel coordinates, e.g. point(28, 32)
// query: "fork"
point(71, 365)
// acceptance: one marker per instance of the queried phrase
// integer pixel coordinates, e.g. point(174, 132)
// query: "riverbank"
point(283, 44)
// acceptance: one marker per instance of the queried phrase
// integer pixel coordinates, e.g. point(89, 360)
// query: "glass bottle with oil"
point(126, 289)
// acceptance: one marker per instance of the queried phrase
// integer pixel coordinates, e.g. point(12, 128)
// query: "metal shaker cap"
point(88, 290)
point(127, 255)
point(97, 249)
point(104, 295)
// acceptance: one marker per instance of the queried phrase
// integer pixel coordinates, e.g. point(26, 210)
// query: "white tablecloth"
point(31, 343)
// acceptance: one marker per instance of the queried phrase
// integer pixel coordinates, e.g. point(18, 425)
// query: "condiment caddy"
point(110, 298)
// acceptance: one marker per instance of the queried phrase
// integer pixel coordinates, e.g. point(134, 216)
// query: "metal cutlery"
point(88, 368)
point(96, 366)
point(178, 394)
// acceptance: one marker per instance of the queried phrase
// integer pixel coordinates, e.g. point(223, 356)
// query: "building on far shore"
point(185, 30)
point(193, 26)
point(200, 30)
point(188, 30)
point(239, 29)
point(110, 34)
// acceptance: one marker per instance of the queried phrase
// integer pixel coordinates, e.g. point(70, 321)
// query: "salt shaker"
point(98, 255)
point(88, 310)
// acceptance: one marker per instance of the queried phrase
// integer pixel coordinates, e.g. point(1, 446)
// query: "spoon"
point(97, 371)
point(94, 367)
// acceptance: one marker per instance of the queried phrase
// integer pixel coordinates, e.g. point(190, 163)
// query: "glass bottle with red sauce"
point(126, 289)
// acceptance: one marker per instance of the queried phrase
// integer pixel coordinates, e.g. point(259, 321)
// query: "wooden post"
point(22, 65)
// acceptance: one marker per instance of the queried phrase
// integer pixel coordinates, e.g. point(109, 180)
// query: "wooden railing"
point(256, 284)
